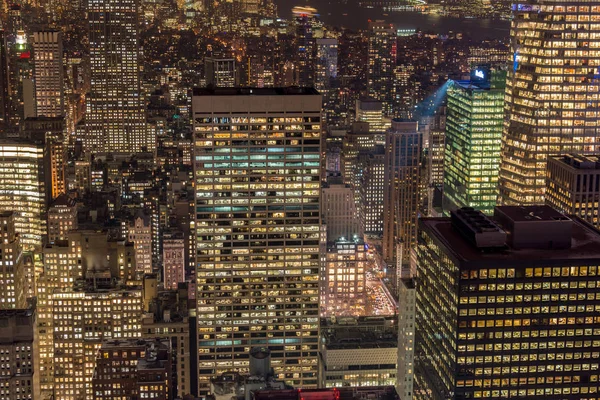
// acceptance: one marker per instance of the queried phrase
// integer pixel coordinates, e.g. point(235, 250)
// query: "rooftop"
point(530, 213)
point(585, 245)
point(578, 161)
point(471, 85)
point(247, 91)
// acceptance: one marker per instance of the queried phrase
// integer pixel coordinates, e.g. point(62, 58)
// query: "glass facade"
point(23, 186)
point(552, 92)
point(257, 177)
point(475, 115)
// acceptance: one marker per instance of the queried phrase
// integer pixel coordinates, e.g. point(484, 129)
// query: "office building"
point(326, 67)
point(257, 171)
point(543, 117)
point(435, 149)
point(52, 132)
point(62, 218)
point(19, 379)
point(381, 64)
point(48, 74)
point(506, 308)
point(115, 118)
point(122, 369)
point(247, 386)
point(5, 109)
point(401, 196)
point(66, 263)
point(358, 139)
point(475, 117)
point(406, 337)
point(343, 290)
point(61, 269)
point(338, 211)
point(305, 49)
point(371, 110)
point(220, 72)
point(360, 352)
point(83, 318)
point(251, 6)
point(173, 259)
point(11, 262)
point(373, 188)
point(167, 318)
point(23, 187)
point(140, 233)
point(573, 186)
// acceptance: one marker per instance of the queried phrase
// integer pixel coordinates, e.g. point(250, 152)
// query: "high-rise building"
point(133, 369)
point(11, 261)
point(257, 182)
point(115, 118)
point(344, 280)
point(48, 74)
point(170, 320)
point(371, 111)
point(549, 109)
point(140, 233)
point(220, 72)
point(62, 218)
point(359, 352)
point(382, 62)
point(475, 117)
point(4, 83)
point(506, 307)
point(173, 259)
point(406, 337)
point(23, 187)
point(373, 188)
point(93, 254)
point(305, 49)
point(326, 67)
point(338, 211)
point(50, 131)
point(573, 186)
point(19, 378)
point(61, 269)
point(251, 6)
point(401, 195)
point(83, 319)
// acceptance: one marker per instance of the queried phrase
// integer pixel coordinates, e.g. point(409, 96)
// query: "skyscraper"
point(4, 83)
point(305, 45)
point(17, 341)
point(11, 261)
point(507, 316)
point(401, 195)
point(382, 62)
point(326, 63)
point(473, 137)
point(220, 72)
point(257, 172)
point(173, 259)
point(23, 187)
point(83, 319)
point(573, 186)
point(552, 92)
point(48, 73)
point(115, 117)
